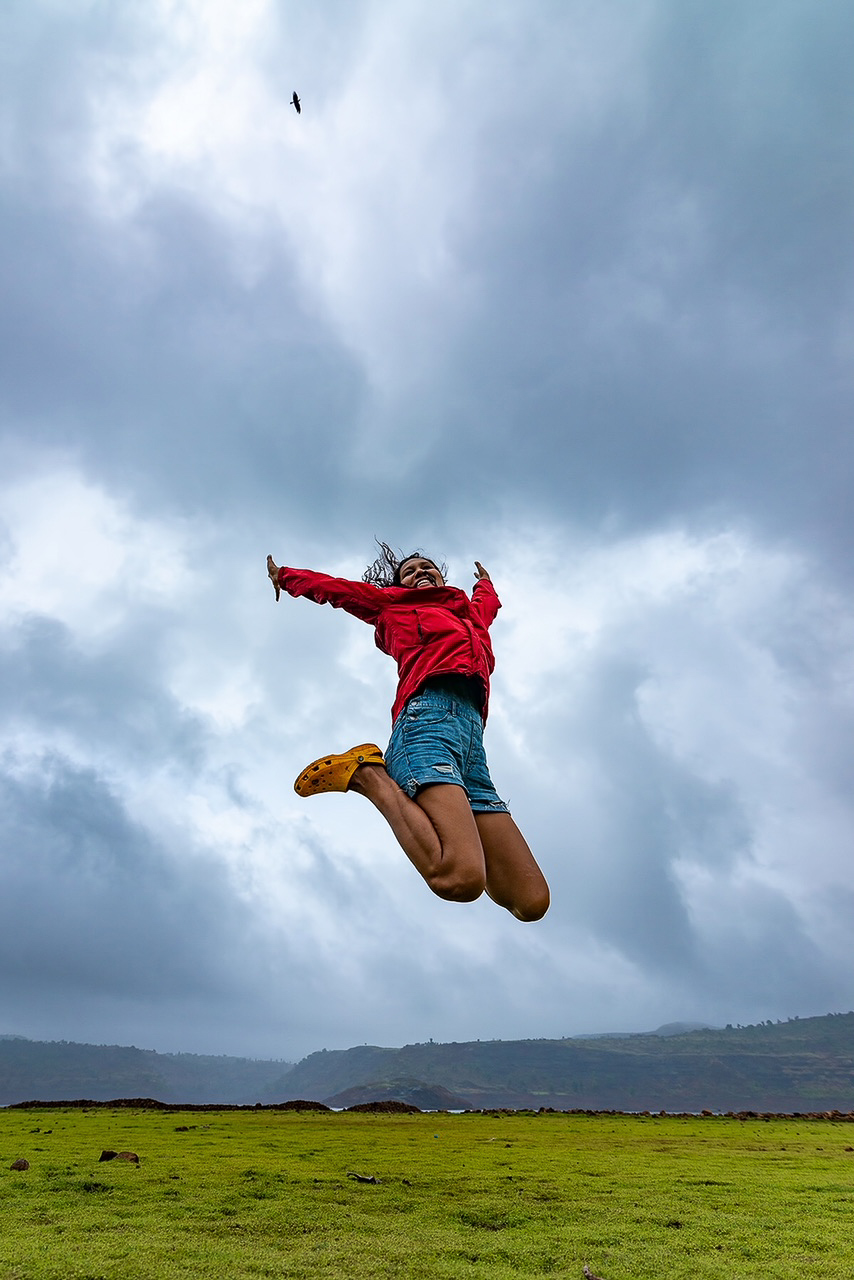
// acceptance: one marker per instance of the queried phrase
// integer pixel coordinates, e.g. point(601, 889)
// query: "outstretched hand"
point(480, 572)
point(273, 575)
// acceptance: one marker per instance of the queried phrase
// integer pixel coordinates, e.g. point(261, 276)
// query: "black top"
point(466, 688)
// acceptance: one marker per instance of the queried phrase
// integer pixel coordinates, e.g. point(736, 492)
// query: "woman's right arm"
point(361, 599)
point(273, 575)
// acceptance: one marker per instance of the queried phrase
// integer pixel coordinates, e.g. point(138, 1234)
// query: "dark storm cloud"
point(114, 700)
point(660, 284)
point(136, 342)
point(167, 372)
point(627, 891)
point(107, 933)
point(664, 289)
point(113, 914)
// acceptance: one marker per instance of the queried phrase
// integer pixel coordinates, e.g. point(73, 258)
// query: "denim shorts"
point(438, 737)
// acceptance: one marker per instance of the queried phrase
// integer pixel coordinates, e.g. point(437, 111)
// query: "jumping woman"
point(433, 785)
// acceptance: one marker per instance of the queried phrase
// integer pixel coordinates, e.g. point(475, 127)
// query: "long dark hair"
point(385, 570)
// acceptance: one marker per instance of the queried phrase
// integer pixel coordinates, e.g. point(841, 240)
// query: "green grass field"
point(265, 1193)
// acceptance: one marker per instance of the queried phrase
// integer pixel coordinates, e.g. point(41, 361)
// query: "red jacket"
point(429, 631)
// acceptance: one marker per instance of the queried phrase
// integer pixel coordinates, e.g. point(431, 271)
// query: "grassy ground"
point(249, 1194)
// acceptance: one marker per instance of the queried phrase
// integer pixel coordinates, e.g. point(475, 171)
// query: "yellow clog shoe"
point(333, 773)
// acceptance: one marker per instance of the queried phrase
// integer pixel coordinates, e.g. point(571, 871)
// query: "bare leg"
point(437, 832)
point(513, 879)
point(459, 853)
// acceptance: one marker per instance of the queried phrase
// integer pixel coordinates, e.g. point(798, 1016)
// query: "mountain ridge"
point(56, 1069)
point(804, 1064)
point(800, 1065)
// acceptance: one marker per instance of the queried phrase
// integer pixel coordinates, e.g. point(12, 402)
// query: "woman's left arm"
point(484, 598)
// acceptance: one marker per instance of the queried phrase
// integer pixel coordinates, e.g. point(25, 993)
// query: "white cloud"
point(78, 555)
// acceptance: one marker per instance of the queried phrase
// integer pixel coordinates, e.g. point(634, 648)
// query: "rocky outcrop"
point(414, 1093)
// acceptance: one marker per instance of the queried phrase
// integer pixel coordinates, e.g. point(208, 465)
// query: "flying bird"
point(295, 102)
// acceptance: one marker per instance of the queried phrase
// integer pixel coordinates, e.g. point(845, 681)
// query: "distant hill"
point(667, 1029)
point(57, 1069)
point(805, 1064)
point(679, 1028)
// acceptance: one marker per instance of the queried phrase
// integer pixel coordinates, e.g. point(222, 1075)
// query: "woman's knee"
point(533, 907)
point(458, 884)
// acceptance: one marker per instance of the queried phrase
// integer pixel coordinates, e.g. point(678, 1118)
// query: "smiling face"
point(418, 571)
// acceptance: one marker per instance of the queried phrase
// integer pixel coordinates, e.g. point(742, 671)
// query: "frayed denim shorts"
point(438, 737)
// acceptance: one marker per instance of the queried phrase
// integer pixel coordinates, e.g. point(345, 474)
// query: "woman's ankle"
point(368, 779)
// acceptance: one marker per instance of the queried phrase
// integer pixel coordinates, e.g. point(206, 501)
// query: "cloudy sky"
point(562, 286)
